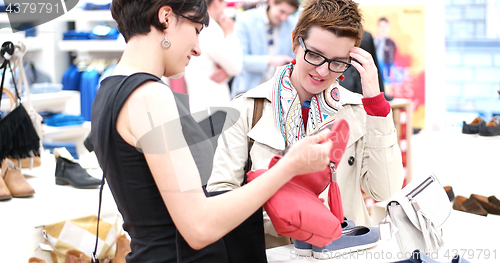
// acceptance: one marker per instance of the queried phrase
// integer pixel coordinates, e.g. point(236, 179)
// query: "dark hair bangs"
point(195, 11)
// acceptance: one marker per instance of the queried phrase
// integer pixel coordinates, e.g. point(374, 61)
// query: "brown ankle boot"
point(16, 182)
point(468, 205)
point(122, 249)
point(485, 202)
point(36, 260)
point(75, 256)
point(4, 190)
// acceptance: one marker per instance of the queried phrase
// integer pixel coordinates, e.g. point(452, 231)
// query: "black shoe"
point(492, 128)
point(473, 127)
point(68, 172)
point(88, 143)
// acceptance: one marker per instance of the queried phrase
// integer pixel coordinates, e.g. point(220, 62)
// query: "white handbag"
point(35, 117)
point(417, 215)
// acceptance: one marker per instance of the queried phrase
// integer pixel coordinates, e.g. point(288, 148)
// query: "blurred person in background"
point(265, 34)
point(385, 48)
point(207, 75)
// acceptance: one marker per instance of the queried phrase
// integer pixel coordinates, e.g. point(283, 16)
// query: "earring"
point(293, 61)
point(165, 43)
point(341, 77)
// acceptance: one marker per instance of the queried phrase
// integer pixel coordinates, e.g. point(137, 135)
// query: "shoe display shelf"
point(473, 237)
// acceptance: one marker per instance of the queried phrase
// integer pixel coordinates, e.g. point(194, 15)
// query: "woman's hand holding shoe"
point(308, 155)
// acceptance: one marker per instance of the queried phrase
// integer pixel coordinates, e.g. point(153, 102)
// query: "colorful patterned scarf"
point(288, 108)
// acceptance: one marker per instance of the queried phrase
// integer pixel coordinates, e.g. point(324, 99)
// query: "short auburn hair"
point(341, 17)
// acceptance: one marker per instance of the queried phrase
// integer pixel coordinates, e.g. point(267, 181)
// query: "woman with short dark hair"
point(152, 151)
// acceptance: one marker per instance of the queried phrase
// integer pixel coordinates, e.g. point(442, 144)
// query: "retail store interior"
point(443, 83)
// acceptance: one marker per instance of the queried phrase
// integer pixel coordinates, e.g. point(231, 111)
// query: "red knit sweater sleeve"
point(377, 106)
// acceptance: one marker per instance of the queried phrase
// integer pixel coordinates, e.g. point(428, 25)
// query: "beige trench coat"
point(377, 166)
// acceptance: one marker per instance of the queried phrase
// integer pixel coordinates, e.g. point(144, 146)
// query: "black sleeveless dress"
point(154, 235)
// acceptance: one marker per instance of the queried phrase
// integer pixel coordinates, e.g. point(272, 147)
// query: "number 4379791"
point(472, 253)
point(33, 8)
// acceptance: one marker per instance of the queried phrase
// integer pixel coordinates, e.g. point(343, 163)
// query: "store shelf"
point(4, 18)
point(76, 15)
point(33, 44)
point(66, 133)
point(55, 101)
point(87, 16)
point(93, 45)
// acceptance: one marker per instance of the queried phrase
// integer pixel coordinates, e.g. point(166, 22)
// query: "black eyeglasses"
point(316, 59)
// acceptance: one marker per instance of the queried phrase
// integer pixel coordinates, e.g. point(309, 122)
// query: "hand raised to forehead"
point(363, 62)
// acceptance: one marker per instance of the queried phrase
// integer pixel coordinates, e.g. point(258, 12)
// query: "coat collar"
point(266, 132)
point(349, 97)
point(264, 90)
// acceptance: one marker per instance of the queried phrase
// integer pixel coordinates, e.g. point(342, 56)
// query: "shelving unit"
point(84, 21)
point(51, 54)
point(92, 45)
point(4, 18)
point(87, 16)
point(65, 100)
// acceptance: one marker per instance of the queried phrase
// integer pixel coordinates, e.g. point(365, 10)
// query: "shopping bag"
point(78, 235)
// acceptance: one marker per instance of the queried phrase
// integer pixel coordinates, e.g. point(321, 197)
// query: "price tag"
point(46, 247)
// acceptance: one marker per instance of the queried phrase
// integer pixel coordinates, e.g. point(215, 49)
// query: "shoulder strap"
point(258, 107)
point(137, 79)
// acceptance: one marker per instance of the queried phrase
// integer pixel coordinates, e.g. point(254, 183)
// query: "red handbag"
point(296, 210)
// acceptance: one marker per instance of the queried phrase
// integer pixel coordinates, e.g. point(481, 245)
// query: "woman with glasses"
point(305, 96)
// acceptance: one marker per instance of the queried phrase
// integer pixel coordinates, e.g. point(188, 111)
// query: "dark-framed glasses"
point(316, 59)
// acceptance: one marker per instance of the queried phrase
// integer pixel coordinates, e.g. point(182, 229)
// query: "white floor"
point(468, 164)
point(20, 217)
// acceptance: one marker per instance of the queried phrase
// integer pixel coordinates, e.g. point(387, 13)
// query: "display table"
point(469, 164)
point(473, 236)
